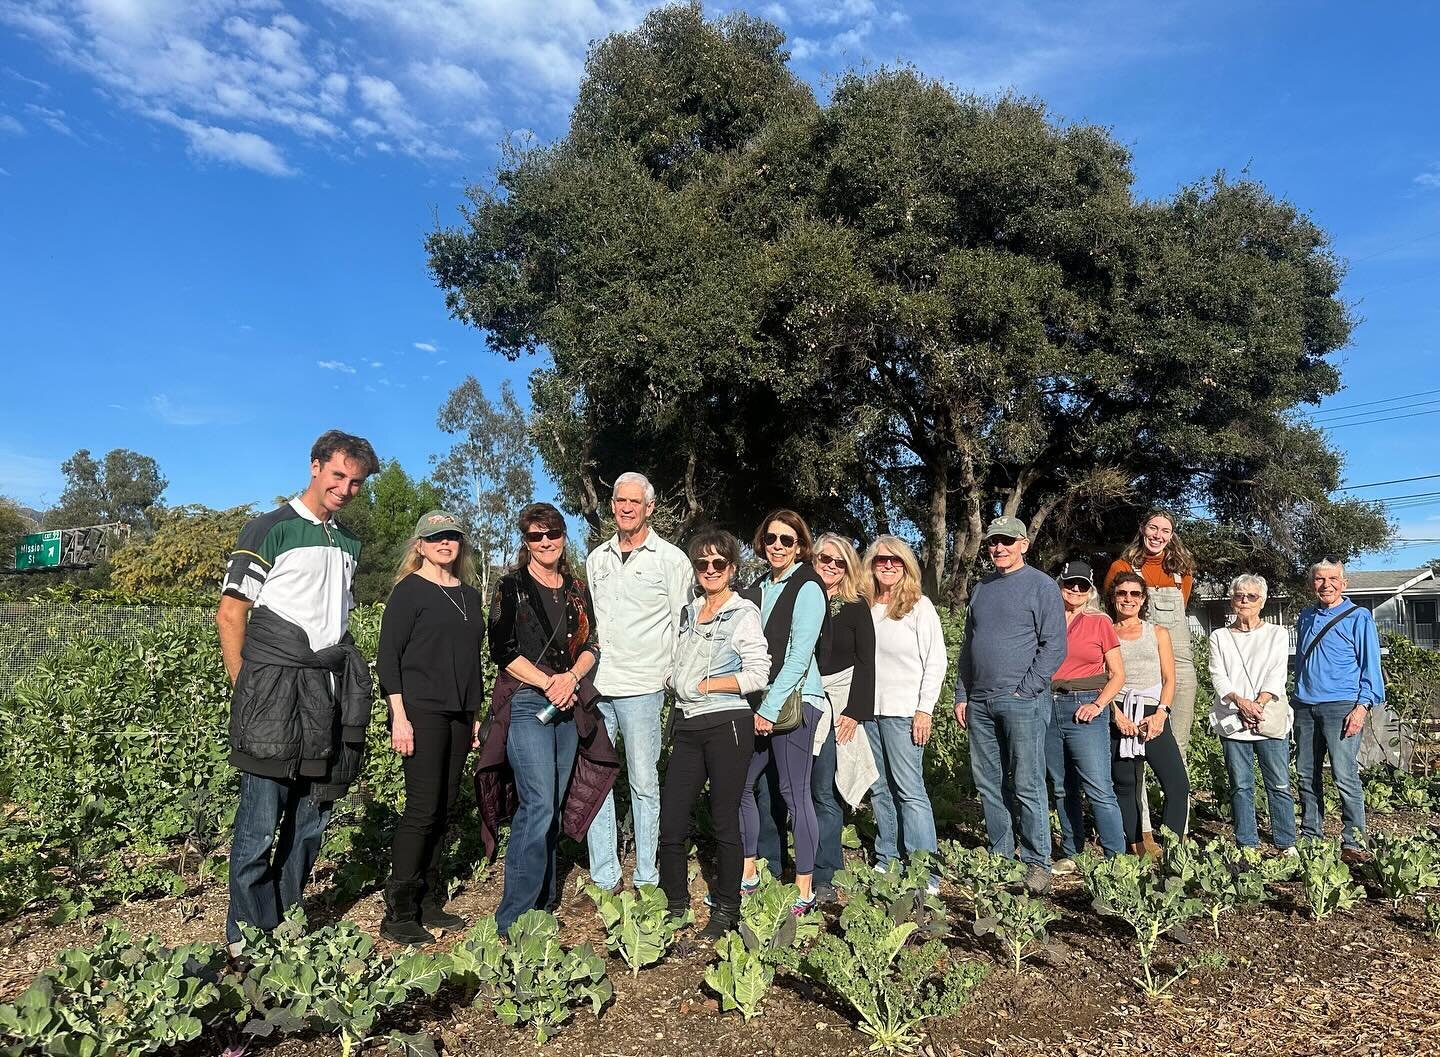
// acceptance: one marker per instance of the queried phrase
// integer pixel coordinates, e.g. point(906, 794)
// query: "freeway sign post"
point(40, 550)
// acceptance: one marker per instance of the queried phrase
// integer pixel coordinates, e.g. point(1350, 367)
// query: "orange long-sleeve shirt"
point(1154, 575)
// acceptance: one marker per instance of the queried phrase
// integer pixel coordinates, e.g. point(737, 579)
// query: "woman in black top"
point(846, 657)
point(542, 634)
point(429, 665)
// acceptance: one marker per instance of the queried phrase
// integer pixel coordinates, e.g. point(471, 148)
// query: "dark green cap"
point(1007, 526)
point(436, 522)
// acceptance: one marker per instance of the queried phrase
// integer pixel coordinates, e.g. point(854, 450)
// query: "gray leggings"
point(790, 757)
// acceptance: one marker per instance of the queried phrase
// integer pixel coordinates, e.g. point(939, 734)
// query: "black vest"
point(777, 625)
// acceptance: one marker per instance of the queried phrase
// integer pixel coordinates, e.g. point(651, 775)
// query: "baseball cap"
point(436, 522)
point(1077, 570)
point(1007, 526)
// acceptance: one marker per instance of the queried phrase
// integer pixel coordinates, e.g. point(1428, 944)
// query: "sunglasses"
point(445, 537)
point(552, 534)
point(1076, 585)
point(705, 565)
point(1001, 541)
point(886, 561)
point(830, 559)
point(1129, 594)
point(786, 540)
point(1240, 596)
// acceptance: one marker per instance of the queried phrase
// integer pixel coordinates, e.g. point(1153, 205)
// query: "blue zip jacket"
point(1345, 665)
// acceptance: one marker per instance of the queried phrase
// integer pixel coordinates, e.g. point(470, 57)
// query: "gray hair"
point(632, 477)
point(1325, 564)
point(1257, 583)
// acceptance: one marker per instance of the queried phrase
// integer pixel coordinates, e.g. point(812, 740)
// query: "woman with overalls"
point(1164, 562)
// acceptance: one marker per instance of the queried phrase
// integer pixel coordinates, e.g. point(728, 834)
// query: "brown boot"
point(1152, 850)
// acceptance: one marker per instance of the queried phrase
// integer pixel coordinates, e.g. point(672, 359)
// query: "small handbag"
point(792, 713)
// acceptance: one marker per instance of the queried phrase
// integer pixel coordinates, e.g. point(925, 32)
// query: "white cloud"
point(172, 413)
point(424, 346)
point(335, 365)
point(11, 126)
point(50, 116)
point(1430, 178)
point(247, 149)
point(449, 81)
point(376, 363)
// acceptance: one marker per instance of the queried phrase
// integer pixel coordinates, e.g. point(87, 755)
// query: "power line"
point(1397, 246)
point(1397, 480)
point(1383, 400)
point(1381, 418)
point(1385, 411)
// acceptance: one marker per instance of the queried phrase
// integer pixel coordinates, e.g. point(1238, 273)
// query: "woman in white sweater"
point(909, 672)
point(1248, 661)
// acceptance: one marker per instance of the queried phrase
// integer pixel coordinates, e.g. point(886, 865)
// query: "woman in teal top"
point(792, 605)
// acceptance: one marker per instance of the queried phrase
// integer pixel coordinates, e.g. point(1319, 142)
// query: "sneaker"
point(1063, 867)
point(721, 921)
point(1354, 856)
point(1288, 853)
point(803, 906)
point(749, 885)
point(407, 931)
point(1037, 879)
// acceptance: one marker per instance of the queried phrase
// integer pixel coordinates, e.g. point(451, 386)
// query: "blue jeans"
point(541, 755)
point(1077, 756)
point(638, 719)
point(1320, 729)
point(1274, 757)
point(829, 815)
point(902, 780)
point(263, 886)
point(1007, 743)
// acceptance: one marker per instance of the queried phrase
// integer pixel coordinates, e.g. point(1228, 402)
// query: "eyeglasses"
point(705, 565)
point(786, 540)
point(886, 561)
point(1076, 585)
point(1130, 594)
point(1001, 541)
point(551, 534)
point(445, 537)
point(1243, 596)
point(830, 559)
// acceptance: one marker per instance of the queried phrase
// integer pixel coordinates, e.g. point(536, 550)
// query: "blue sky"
point(211, 211)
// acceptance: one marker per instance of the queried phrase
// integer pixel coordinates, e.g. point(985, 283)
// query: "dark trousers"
point(789, 755)
point(1163, 756)
point(432, 790)
point(720, 754)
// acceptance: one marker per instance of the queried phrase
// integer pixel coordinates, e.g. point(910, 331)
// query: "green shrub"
point(769, 937)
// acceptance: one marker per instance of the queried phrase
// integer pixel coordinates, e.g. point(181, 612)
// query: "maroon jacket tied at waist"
point(591, 778)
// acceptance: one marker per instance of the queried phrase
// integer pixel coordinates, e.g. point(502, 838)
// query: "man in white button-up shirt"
point(640, 583)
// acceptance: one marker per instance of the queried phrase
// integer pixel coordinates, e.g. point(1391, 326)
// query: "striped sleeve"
point(250, 561)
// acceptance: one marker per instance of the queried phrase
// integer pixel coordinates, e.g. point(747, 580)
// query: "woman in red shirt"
point(1077, 744)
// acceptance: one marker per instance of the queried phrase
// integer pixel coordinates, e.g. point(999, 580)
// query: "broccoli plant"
point(769, 936)
point(638, 925)
point(740, 975)
point(892, 986)
point(1326, 878)
point(533, 980)
point(329, 980)
point(977, 870)
point(1222, 875)
point(1017, 921)
point(1403, 865)
point(126, 995)
point(1134, 891)
point(904, 893)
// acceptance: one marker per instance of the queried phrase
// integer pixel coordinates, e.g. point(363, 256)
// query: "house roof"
point(1386, 582)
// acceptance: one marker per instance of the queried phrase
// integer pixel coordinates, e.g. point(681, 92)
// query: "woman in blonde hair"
point(909, 672)
point(429, 666)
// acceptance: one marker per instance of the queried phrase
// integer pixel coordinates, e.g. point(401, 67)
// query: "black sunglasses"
point(1077, 584)
point(445, 537)
point(786, 540)
point(830, 559)
point(552, 534)
point(718, 565)
point(1001, 541)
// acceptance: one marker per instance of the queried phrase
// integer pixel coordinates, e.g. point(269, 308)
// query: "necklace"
point(555, 590)
point(462, 607)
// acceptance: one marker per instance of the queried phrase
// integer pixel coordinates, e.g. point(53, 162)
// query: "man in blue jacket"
point(1337, 682)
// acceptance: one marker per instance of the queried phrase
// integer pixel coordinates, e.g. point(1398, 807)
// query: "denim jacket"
point(733, 643)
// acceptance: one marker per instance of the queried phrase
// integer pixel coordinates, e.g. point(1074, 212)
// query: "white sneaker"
point(1289, 853)
point(1063, 867)
point(933, 888)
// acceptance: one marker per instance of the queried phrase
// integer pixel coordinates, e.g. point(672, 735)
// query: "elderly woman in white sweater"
point(1248, 661)
point(909, 672)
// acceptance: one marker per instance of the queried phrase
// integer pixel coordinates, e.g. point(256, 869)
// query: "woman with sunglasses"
point(1141, 720)
point(910, 667)
point(430, 676)
point(720, 657)
point(791, 600)
point(1077, 748)
point(847, 670)
point(1249, 663)
point(542, 637)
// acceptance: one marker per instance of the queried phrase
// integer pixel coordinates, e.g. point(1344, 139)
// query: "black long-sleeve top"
point(521, 624)
point(431, 643)
point(849, 642)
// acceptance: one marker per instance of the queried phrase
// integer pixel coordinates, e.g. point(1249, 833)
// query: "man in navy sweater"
point(1014, 642)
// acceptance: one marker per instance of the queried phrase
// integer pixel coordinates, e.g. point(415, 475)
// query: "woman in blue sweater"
point(791, 597)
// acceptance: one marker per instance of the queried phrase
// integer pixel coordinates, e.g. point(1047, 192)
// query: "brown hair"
point(796, 523)
point(1175, 559)
point(1127, 577)
point(544, 516)
point(358, 448)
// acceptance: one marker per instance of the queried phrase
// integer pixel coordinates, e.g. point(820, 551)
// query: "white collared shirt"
point(637, 610)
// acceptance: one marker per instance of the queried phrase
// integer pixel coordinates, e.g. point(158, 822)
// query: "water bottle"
point(549, 714)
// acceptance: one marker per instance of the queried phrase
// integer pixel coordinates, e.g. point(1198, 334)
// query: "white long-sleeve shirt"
point(1247, 663)
point(910, 660)
point(637, 611)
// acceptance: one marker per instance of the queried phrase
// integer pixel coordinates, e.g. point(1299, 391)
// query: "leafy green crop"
point(1017, 921)
point(769, 937)
point(1403, 865)
point(328, 980)
point(126, 995)
point(533, 980)
point(1326, 878)
point(1222, 875)
point(740, 976)
point(638, 925)
point(904, 893)
point(1432, 918)
point(977, 870)
point(1134, 891)
point(892, 986)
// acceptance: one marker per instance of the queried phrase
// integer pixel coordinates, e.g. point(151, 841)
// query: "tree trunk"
point(967, 535)
point(936, 531)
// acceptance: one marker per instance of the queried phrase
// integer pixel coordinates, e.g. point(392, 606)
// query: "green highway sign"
point(41, 550)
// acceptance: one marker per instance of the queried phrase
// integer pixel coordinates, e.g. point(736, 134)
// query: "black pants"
point(432, 788)
point(721, 753)
point(1163, 756)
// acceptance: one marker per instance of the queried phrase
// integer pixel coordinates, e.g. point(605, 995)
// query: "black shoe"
point(409, 932)
point(402, 915)
point(432, 907)
point(722, 920)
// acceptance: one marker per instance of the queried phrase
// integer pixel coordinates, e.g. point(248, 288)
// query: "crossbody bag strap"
point(1310, 646)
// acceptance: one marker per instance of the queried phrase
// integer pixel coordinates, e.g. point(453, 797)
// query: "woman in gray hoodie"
point(720, 657)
